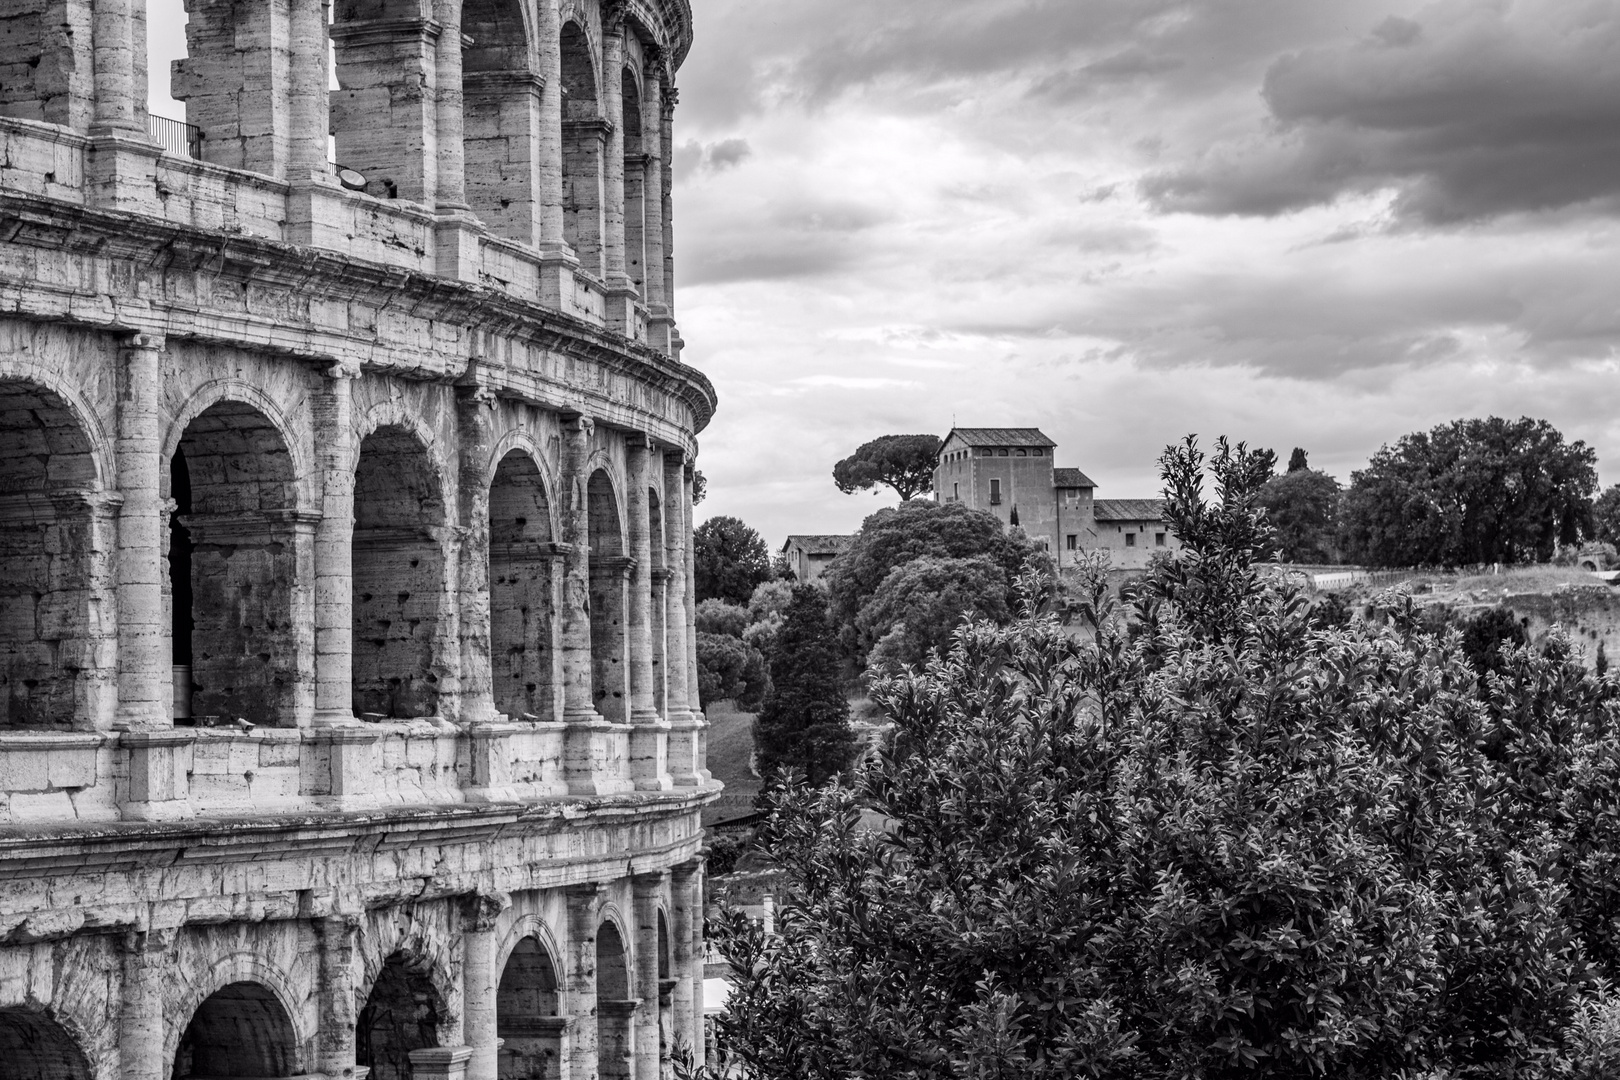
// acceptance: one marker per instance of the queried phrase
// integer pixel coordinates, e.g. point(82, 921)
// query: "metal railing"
point(175, 136)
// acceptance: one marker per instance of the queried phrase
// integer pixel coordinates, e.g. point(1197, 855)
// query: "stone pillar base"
point(688, 751)
point(557, 268)
point(338, 767)
point(121, 173)
point(649, 753)
point(457, 239)
point(660, 328)
point(593, 758)
point(440, 1063)
point(159, 767)
point(317, 213)
point(623, 307)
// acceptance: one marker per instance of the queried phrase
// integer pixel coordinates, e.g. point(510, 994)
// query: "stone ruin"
point(348, 714)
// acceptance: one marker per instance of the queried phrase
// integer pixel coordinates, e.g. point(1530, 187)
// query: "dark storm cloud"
point(1467, 109)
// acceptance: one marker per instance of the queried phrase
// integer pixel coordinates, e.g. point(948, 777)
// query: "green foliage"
point(948, 532)
point(1219, 842)
point(731, 560)
point(919, 604)
point(700, 486)
point(719, 617)
point(902, 462)
point(804, 726)
point(1298, 460)
point(1483, 635)
point(1606, 516)
point(1471, 491)
point(730, 669)
point(1302, 507)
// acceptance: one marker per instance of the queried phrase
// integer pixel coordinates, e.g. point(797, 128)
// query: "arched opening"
point(398, 577)
point(584, 139)
point(660, 587)
point(523, 593)
point(666, 996)
point(635, 183)
point(382, 114)
point(55, 559)
point(501, 119)
point(240, 1030)
point(35, 1047)
point(401, 1014)
point(610, 688)
point(615, 1009)
point(235, 542)
point(526, 1019)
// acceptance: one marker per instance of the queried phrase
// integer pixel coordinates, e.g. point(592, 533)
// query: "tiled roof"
point(820, 544)
point(1071, 478)
point(1128, 509)
point(1000, 436)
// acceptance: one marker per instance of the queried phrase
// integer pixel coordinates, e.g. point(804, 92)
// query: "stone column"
point(677, 525)
point(480, 981)
point(551, 152)
point(646, 889)
point(140, 1014)
point(649, 738)
point(144, 675)
point(699, 954)
point(575, 611)
point(686, 905)
point(613, 165)
point(666, 135)
point(476, 425)
point(310, 76)
point(450, 187)
point(579, 978)
point(440, 1063)
point(113, 29)
point(697, 764)
point(334, 557)
point(336, 936)
point(659, 319)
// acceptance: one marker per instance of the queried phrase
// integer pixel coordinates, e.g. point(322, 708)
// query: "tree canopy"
point(1606, 515)
point(902, 462)
point(1302, 506)
point(1213, 836)
point(730, 558)
point(804, 725)
point(1471, 491)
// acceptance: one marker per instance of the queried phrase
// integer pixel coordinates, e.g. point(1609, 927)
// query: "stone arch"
point(527, 1011)
point(610, 570)
point(35, 1045)
point(239, 552)
point(403, 1011)
point(20, 367)
point(281, 1035)
point(585, 133)
point(522, 440)
point(615, 1007)
point(236, 391)
point(56, 541)
point(524, 586)
point(400, 512)
point(635, 178)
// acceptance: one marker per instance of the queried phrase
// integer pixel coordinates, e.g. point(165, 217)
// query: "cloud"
point(691, 156)
point(1468, 110)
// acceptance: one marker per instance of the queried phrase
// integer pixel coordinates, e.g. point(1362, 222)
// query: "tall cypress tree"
point(804, 725)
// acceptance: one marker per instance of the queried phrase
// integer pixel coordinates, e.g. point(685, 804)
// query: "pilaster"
point(579, 976)
point(476, 422)
point(140, 1014)
point(686, 907)
point(480, 913)
point(649, 736)
point(334, 556)
point(143, 633)
point(646, 889)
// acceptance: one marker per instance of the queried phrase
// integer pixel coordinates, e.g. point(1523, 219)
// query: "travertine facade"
point(347, 707)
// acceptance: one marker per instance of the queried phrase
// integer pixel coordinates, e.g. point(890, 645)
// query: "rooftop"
point(1071, 478)
point(1128, 509)
point(1000, 436)
point(820, 543)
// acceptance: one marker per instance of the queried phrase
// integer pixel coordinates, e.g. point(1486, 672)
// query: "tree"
point(1298, 460)
point(700, 486)
point(731, 560)
point(1302, 505)
point(919, 604)
point(1606, 516)
point(728, 668)
point(1471, 491)
point(903, 462)
point(1207, 838)
point(804, 726)
point(895, 536)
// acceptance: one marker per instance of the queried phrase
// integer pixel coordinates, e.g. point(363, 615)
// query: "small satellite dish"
point(351, 179)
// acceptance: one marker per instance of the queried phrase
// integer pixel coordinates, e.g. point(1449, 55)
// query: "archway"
point(501, 119)
point(240, 1030)
point(584, 138)
point(615, 1009)
point(49, 569)
point(36, 1047)
point(526, 1017)
point(401, 1014)
point(398, 577)
point(666, 996)
point(635, 183)
point(234, 546)
point(522, 592)
point(610, 689)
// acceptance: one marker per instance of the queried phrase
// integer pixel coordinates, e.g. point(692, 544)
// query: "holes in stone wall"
point(610, 690)
point(584, 136)
point(526, 1017)
point(523, 654)
point(398, 577)
point(635, 185)
point(35, 1047)
point(240, 1030)
point(401, 1014)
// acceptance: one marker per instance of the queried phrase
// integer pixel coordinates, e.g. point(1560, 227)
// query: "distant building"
point(808, 555)
point(1012, 473)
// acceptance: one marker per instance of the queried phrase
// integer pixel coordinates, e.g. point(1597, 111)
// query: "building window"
point(1130, 539)
point(1023, 453)
point(995, 491)
point(1158, 539)
point(1038, 452)
point(956, 492)
point(1073, 542)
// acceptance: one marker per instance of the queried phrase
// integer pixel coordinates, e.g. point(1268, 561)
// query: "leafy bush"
point(719, 617)
point(804, 726)
point(727, 668)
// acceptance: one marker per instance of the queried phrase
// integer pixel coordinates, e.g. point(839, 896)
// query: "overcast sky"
point(1320, 223)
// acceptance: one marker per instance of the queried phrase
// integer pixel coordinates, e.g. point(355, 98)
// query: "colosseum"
point(348, 715)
